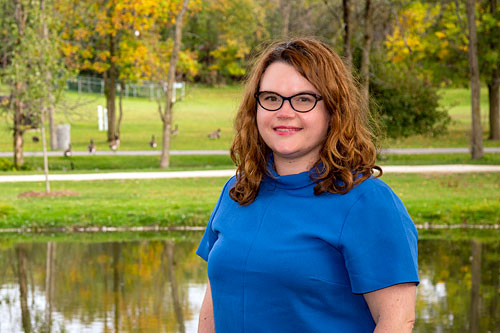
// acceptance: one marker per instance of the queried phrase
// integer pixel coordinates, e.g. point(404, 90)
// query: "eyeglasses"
point(271, 101)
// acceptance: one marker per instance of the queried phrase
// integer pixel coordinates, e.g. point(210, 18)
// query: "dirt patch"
point(51, 194)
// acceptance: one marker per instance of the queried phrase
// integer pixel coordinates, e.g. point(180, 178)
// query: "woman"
point(304, 238)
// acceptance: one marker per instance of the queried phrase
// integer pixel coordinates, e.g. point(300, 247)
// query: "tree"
point(106, 37)
point(166, 116)
point(433, 36)
point(476, 130)
point(31, 68)
point(225, 31)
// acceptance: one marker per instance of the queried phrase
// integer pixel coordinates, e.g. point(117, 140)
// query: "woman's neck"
point(286, 167)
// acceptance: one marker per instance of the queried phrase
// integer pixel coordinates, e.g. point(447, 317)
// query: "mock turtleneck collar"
point(295, 181)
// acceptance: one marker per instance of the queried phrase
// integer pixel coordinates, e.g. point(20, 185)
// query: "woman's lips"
point(286, 130)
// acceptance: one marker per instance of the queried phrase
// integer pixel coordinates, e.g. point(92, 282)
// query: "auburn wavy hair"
point(348, 154)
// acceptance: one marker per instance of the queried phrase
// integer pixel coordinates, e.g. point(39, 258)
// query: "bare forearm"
point(206, 321)
point(393, 308)
point(392, 326)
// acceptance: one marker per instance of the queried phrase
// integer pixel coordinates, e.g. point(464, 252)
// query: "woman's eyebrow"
point(300, 92)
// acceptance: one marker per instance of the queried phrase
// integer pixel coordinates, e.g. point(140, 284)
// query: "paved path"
point(388, 151)
point(455, 168)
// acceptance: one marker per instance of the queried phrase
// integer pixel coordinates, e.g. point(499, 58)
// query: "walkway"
point(454, 168)
point(388, 151)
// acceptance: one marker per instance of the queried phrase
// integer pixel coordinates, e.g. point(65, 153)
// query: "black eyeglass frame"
point(289, 99)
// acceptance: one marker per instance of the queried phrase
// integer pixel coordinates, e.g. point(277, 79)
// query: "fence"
point(88, 84)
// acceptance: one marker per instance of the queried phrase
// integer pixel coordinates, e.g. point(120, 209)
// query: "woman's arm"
point(206, 320)
point(393, 308)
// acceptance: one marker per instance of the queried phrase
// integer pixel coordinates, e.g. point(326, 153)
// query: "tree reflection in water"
point(158, 286)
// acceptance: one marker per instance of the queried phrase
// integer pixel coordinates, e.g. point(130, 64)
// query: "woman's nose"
point(286, 110)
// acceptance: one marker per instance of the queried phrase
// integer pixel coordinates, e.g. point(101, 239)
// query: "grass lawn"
point(435, 199)
point(206, 109)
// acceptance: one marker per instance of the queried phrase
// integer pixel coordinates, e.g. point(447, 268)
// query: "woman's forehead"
point(284, 78)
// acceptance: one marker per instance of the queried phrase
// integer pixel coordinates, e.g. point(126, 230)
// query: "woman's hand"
point(206, 320)
point(393, 308)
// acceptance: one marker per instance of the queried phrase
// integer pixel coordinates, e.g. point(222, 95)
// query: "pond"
point(157, 286)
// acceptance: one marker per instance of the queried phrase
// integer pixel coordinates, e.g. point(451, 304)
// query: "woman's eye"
point(271, 98)
point(304, 99)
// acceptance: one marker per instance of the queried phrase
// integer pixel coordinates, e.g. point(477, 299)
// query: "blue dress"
point(292, 261)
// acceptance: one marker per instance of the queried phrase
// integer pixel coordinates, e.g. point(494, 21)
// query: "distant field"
point(201, 112)
point(206, 109)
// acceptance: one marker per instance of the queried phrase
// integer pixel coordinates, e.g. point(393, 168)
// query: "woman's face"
point(295, 138)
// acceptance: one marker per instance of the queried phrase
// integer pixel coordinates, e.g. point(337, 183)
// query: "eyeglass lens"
point(272, 101)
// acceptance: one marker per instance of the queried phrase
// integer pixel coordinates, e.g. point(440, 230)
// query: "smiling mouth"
point(287, 129)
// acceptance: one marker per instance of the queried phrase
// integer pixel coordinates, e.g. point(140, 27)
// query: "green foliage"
point(6, 210)
point(7, 165)
point(224, 32)
point(407, 103)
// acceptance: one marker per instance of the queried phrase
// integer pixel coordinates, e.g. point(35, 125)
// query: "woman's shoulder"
point(370, 186)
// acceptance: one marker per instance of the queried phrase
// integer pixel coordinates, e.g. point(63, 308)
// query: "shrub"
point(7, 165)
point(406, 103)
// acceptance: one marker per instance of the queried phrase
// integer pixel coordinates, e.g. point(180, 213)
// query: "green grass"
point(434, 199)
point(93, 163)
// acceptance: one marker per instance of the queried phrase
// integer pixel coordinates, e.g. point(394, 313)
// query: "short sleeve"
point(379, 241)
point(210, 236)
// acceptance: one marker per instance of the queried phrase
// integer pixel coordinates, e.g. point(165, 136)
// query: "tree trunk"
point(49, 106)
point(167, 116)
point(110, 78)
point(493, 95)
point(44, 147)
point(45, 102)
point(476, 130)
point(52, 128)
point(346, 6)
point(17, 89)
point(120, 109)
point(286, 7)
point(365, 59)
point(494, 83)
point(18, 129)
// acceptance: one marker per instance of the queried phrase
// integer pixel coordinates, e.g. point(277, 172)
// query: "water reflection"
point(100, 287)
point(158, 286)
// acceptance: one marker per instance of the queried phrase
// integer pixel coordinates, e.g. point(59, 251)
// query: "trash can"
point(63, 133)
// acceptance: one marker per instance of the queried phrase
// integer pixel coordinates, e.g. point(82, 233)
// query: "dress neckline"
point(294, 181)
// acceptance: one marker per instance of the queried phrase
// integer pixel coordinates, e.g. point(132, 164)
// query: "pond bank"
point(425, 226)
